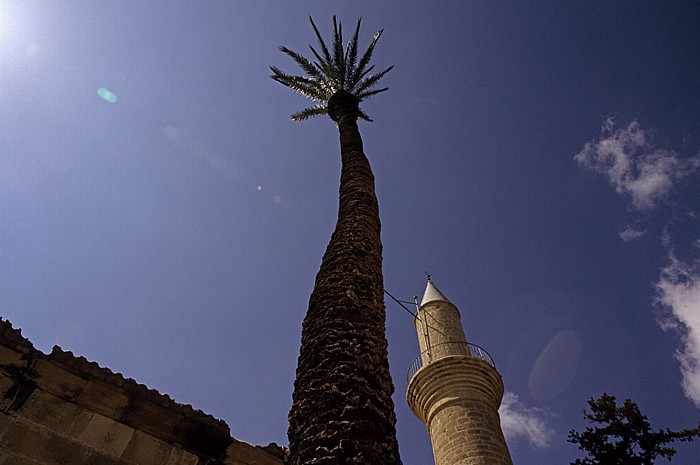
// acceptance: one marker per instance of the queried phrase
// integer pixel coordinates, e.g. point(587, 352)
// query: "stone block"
point(10, 356)
point(58, 381)
point(242, 453)
point(5, 385)
point(95, 458)
point(151, 418)
point(5, 423)
point(80, 424)
point(106, 435)
point(56, 414)
point(8, 458)
point(202, 438)
point(181, 457)
point(144, 448)
point(17, 389)
point(103, 399)
point(40, 445)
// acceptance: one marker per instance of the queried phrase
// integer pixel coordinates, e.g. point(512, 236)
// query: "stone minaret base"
point(457, 397)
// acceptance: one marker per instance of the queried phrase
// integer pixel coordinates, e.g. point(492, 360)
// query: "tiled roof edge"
point(12, 337)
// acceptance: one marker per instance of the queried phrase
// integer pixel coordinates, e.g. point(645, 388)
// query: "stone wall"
point(59, 409)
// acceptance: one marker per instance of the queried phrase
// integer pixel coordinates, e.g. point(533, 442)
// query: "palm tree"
point(342, 412)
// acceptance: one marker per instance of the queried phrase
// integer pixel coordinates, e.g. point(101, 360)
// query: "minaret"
point(454, 388)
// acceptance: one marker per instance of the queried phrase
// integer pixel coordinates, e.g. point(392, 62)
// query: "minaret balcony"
point(446, 349)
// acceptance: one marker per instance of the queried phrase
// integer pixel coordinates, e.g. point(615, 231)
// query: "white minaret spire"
point(432, 293)
point(455, 388)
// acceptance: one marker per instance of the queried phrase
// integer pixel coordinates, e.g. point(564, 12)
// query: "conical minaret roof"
point(432, 293)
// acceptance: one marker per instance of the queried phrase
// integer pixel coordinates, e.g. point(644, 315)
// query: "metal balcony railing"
point(446, 349)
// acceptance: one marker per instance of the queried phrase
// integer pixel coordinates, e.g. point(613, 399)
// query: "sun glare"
point(3, 22)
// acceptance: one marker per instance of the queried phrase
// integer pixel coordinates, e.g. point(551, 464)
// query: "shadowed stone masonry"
point(59, 409)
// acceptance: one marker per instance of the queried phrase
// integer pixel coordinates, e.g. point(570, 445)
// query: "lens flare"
point(556, 367)
point(106, 94)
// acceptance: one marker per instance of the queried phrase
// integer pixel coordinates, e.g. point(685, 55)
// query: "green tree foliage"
point(335, 69)
point(624, 436)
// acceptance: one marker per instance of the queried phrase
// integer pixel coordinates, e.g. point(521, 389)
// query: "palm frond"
point(366, 57)
point(305, 64)
point(361, 77)
point(351, 54)
point(322, 64)
point(362, 115)
point(371, 81)
point(324, 49)
point(338, 52)
point(333, 70)
point(306, 113)
point(368, 93)
point(307, 87)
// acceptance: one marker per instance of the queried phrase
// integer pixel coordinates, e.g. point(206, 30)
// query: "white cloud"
point(647, 175)
point(633, 166)
point(520, 421)
point(678, 290)
point(631, 233)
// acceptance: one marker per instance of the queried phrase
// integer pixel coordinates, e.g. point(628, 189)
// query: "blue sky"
point(539, 159)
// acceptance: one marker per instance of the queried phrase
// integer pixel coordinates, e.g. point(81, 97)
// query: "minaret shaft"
point(457, 391)
point(440, 331)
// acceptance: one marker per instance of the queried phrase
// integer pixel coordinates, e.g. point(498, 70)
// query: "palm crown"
point(334, 70)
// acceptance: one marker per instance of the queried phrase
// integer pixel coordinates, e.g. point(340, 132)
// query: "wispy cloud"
point(633, 166)
point(647, 175)
point(631, 233)
point(520, 421)
point(678, 290)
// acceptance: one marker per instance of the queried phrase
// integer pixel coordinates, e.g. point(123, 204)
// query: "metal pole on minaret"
point(454, 388)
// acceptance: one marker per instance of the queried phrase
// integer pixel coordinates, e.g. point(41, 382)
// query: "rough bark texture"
point(342, 411)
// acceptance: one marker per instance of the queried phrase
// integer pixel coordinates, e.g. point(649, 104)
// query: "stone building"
point(59, 409)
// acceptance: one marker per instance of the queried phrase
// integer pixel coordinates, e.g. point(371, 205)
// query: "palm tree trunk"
point(342, 411)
